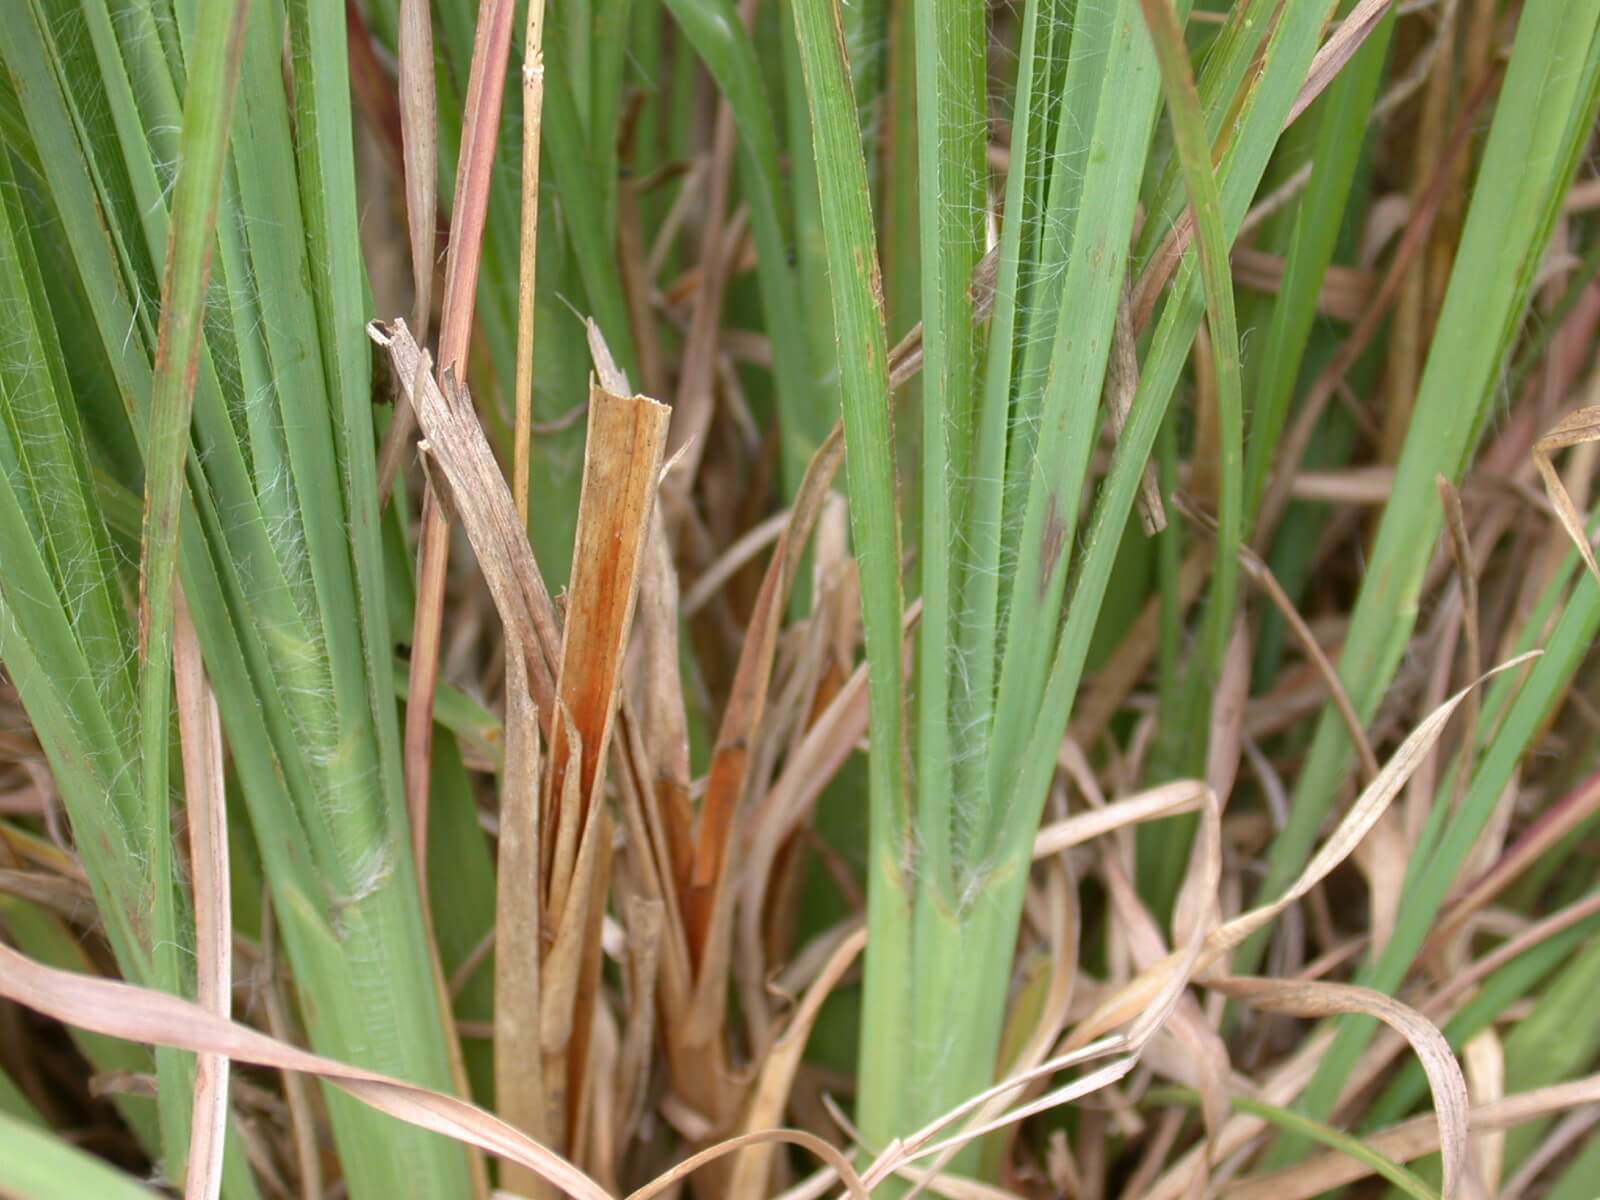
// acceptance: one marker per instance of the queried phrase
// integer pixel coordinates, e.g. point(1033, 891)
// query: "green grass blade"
point(1342, 116)
point(1546, 106)
point(1112, 86)
point(1292, 46)
point(1194, 155)
point(197, 192)
point(952, 195)
point(864, 378)
point(41, 1166)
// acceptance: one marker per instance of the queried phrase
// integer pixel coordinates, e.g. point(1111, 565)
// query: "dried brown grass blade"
point(830, 740)
point(1166, 800)
point(626, 438)
point(827, 1152)
point(474, 167)
point(206, 810)
point(1484, 1062)
point(1364, 813)
point(527, 270)
point(655, 694)
point(1319, 999)
point(644, 919)
point(1338, 50)
point(137, 1014)
point(729, 764)
point(1190, 1050)
point(753, 1167)
point(728, 564)
point(590, 1002)
point(625, 443)
point(519, 1064)
point(433, 561)
point(419, 137)
point(707, 903)
point(570, 872)
point(479, 498)
point(1575, 429)
point(486, 84)
point(694, 404)
point(1410, 1140)
point(605, 363)
point(1226, 738)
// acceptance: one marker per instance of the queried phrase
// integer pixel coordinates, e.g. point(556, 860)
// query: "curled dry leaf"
point(1166, 800)
point(138, 1014)
point(1411, 1140)
point(771, 1095)
point(1317, 999)
point(742, 717)
point(1575, 429)
point(828, 1153)
point(1364, 813)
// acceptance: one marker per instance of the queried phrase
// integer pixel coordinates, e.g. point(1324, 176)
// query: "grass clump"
point(1112, 576)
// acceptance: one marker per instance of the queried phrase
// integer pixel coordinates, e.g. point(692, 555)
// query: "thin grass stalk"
point(419, 138)
point(208, 105)
point(485, 91)
point(851, 254)
point(532, 122)
point(1194, 155)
